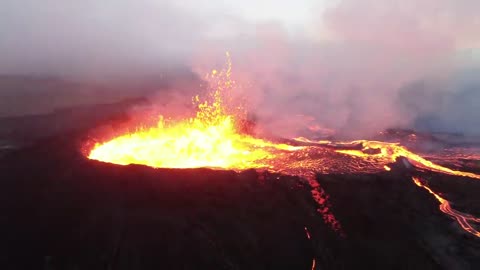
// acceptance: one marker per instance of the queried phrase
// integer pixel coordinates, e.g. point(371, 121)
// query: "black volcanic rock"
point(63, 211)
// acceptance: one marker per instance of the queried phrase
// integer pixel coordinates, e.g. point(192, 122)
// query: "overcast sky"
point(74, 37)
point(344, 61)
point(290, 12)
point(35, 31)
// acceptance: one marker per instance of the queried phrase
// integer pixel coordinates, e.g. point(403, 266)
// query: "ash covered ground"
point(63, 211)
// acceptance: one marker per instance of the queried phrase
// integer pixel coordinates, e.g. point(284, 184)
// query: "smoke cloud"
point(354, 67)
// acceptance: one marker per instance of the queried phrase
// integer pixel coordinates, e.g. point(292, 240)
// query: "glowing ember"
point(309, 238)
point(307, 233)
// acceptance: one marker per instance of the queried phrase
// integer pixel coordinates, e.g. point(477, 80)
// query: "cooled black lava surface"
point(63, 211)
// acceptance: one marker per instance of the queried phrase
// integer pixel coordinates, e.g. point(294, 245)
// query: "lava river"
point(212, 138)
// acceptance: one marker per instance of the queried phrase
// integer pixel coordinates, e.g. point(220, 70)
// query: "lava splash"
point(209, 139)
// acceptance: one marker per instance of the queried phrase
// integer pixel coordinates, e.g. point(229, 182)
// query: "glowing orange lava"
point(462, 219)
point(212, 139)
point(389, 152)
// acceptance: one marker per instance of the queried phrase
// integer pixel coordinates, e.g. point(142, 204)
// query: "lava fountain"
point(209, 139)
point(213, 138)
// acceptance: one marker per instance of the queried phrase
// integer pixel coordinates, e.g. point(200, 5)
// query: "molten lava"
point(389, 152)
point(190, 144)
point(464, 220)
point(212, 138)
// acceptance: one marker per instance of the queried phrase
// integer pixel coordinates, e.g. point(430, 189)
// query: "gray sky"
point(344, 62)
point(291, 13)
point(44, 33)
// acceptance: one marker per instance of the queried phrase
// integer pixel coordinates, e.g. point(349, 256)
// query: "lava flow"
point(462, 219)
point(212, 139)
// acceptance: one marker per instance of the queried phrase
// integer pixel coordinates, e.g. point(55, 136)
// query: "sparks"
point(210, 139)
point(307, 233)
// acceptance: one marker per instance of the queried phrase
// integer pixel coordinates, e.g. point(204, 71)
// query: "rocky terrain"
point(63, 211)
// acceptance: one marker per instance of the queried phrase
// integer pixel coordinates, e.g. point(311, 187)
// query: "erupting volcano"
point(331, 135)
point(213, 138)
point(210, 139)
